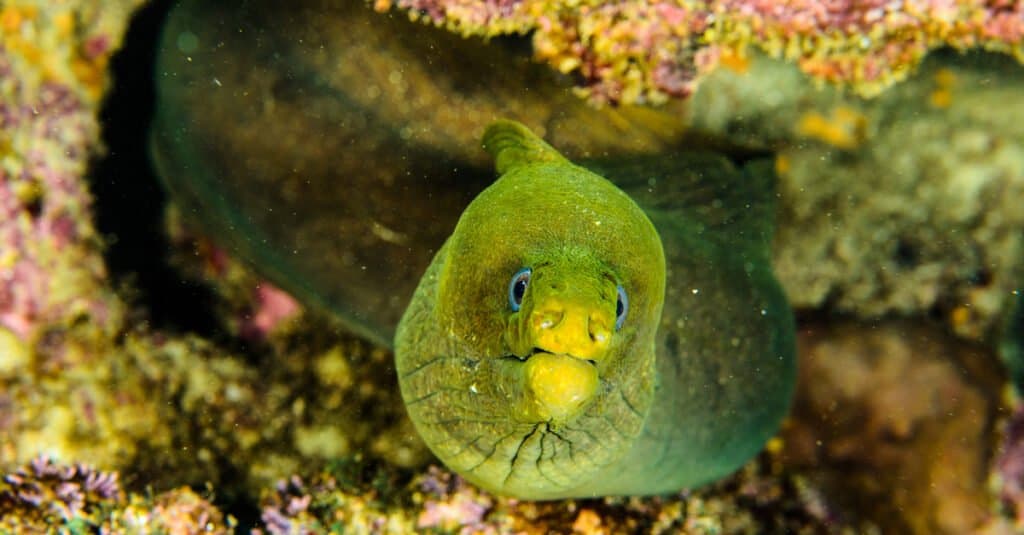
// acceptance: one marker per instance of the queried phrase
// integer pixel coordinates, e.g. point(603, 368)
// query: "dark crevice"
point(130, 203)
point(129, 200)
point(907, 254)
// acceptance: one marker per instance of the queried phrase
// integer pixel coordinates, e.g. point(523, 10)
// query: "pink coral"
point(452, 503)
point(50, 262)
point(272, 306)
point(645, 50)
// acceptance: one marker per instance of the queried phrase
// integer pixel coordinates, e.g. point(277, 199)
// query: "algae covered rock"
point(653, 50)
point(905, 204)
point(893, 423)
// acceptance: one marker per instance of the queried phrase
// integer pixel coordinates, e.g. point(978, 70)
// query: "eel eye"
point(517, 288)
point(621, 307)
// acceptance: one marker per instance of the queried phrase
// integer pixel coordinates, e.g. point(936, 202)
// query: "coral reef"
point(897, 407)
point(82, 376)
point(179, 409)
point(1008, 473)
point(52, 74)
point(440, 502)
point(46, 494)
point(647, 51)
point(45, 497)
point(903, 204)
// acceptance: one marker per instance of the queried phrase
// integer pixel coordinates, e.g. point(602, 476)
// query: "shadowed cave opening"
point(130, 203)
point(129, 199)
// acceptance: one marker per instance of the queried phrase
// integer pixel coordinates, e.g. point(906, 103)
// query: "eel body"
point(567, 341)
point(347, 220)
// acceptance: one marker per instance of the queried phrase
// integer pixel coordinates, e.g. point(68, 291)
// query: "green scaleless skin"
point(553, 401)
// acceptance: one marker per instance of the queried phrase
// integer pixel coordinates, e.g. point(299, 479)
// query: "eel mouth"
point(539, 351)
point(558, 386)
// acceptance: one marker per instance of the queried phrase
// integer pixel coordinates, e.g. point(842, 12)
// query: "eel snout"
point(562, 327)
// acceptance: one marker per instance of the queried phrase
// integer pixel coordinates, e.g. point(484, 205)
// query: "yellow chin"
point(560, 386)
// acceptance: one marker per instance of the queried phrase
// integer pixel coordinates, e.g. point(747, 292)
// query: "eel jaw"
point(558, 386)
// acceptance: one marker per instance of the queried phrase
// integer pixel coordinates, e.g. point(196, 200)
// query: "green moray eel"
point(565, 342)
point(566, 396)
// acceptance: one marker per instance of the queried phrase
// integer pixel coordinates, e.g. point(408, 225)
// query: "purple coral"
point(451, 503)
point(286, 512)
point(56, 491)
point(47, 497)
point(1009, 465)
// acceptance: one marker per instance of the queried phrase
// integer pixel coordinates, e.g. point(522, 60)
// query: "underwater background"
point(208, 209)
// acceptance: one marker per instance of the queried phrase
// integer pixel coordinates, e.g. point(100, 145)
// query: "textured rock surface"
point(650, 50)
point(894, 423)
point(903, 204)
point(52, 75)
point(48, 497)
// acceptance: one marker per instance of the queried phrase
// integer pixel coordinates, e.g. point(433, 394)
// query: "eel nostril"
point(599, 332)
point(548, 319)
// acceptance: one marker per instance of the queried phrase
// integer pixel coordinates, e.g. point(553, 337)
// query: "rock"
point(893, 423)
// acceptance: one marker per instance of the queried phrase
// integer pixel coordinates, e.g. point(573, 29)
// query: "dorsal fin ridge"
point(733, 204)
point(512, 144)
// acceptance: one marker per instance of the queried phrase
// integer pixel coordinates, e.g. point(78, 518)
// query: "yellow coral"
point(942, 96)
point(64, 23)
point(782, 165)
point(48, 40)
point(10, 19)
point(734, 59)
point(845, 128)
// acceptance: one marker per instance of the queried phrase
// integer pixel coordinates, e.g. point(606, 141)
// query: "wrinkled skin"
point(552, 400)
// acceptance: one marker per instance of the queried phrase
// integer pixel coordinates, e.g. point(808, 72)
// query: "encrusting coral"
point(52, 75)
point(647, 51)
point(82, 376)
point(371, 500)
point(48, 497)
